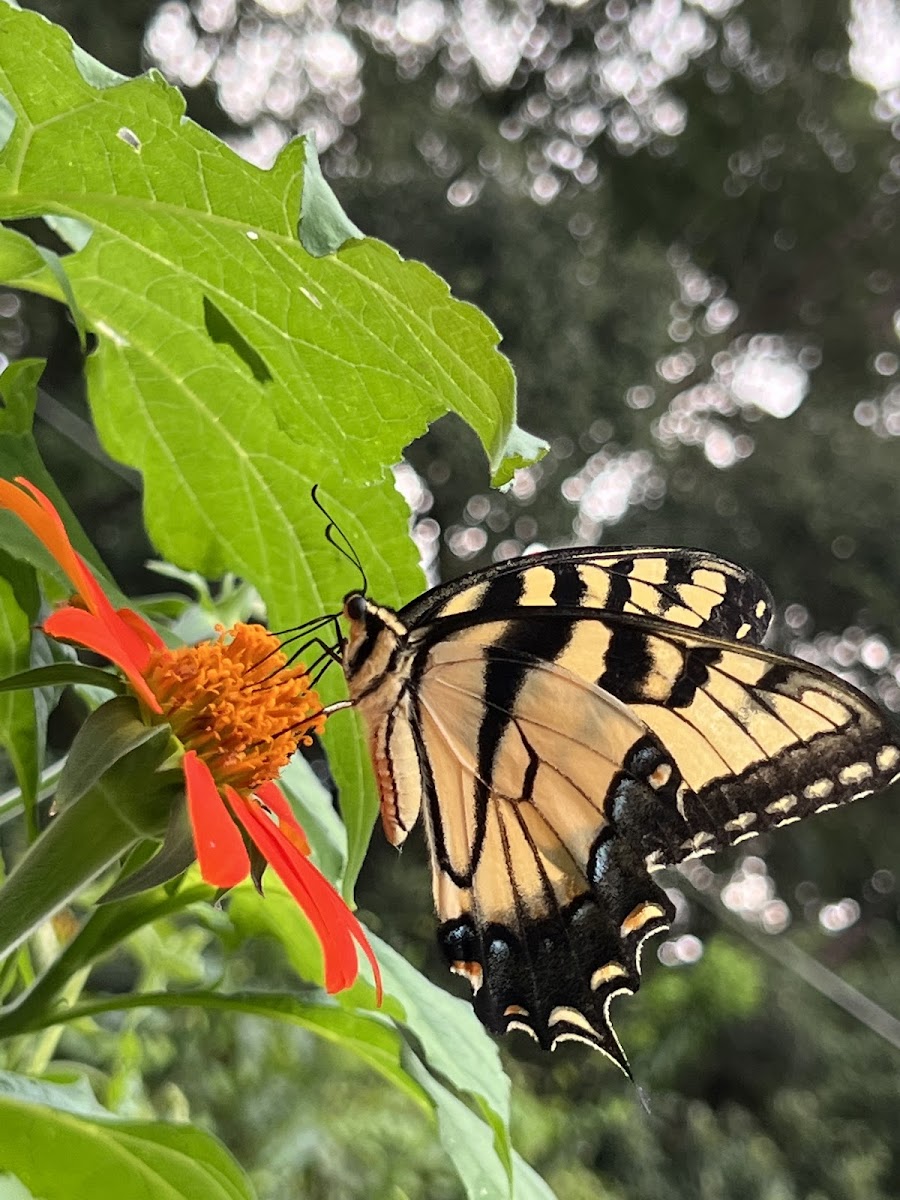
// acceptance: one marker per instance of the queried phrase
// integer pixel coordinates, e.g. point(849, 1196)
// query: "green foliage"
point(58, 1143)
point(778, 199)
point(233, 369)
point(250, 342)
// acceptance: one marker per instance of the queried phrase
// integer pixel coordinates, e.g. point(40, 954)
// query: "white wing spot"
point(856, 773)
point(524, 1028)
point(571, 1016)
point(743, 821)
point(784, 805)
point(819, 790)
point(887, 757)
point(611, 970)
point(761, 608)
point(679, 800)
point(743, 631)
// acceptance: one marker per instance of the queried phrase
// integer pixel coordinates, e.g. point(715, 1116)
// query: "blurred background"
point(683, 217)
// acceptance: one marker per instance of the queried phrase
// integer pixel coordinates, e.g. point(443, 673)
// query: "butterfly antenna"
point(345, 546)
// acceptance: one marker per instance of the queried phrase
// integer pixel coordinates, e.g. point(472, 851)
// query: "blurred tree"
point(683, 218)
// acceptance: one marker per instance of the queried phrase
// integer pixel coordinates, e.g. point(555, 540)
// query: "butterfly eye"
point(354, 606)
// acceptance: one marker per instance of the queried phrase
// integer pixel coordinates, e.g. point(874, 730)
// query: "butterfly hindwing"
point(542, 889)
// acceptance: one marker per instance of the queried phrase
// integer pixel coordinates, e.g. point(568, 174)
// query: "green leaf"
point(109, 733)
point(60, 675)
point(21, 733)
point(126, 805)
point(453, 1041)
point(172, 859)
point(19, 259)
point(218, 329)
point(469, 1144)
point(19, 383)
point(87, 1152)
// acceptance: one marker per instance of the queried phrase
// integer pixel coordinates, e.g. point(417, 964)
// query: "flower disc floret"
point(237, 703)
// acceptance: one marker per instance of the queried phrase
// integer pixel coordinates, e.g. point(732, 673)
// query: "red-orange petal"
point(272, 796)
point(37, 511)
point(78, 625)
point(335, 925)
point(134, 636)
point(221, 853)
point(146, 634)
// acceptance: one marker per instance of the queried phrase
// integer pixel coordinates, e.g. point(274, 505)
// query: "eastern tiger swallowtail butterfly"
point(570, 722)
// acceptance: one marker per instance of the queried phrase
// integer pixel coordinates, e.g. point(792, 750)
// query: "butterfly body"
point(567, 723)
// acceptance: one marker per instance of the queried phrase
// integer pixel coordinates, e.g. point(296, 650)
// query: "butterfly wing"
point(573, 720)
point(681, 586)
point(562, 755)
point(760, 739)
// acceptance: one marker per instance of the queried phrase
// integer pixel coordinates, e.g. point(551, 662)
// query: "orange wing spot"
point(661, 776)
point(639, 917)
point(516, 1010)
point(612, 970)
point(472, 971)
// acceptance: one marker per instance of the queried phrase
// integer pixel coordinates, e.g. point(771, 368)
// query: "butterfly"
point(567, 723)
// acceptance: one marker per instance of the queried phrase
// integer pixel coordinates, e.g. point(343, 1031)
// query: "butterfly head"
point(375, 635)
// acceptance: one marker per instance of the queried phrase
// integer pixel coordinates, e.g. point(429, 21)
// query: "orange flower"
point(238, 710)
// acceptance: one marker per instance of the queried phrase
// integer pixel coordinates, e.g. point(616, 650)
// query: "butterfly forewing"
point(571, 721)
point(682, 586)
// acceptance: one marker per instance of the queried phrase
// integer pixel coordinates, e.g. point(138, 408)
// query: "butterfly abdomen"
point(376, 666)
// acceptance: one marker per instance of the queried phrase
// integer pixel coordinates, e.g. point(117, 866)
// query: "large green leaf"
point(57, 1142)
point(234, 368)
point(452, 1040)
point(468, 1142)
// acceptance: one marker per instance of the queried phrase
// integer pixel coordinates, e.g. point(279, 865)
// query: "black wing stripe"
point(628, 663)
point(569, 587)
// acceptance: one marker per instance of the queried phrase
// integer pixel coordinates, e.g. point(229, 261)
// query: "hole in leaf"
point(130, 138)
point(223, 332)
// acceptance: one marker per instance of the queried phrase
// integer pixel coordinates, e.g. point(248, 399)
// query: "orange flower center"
point(237, 703)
